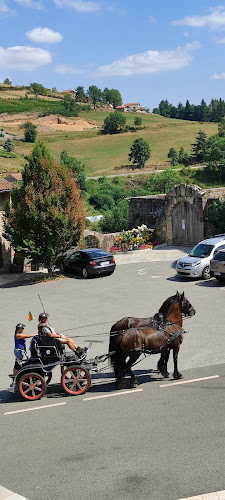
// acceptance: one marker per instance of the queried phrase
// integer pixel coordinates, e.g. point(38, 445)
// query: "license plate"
point(104, 264)
point(217, 274)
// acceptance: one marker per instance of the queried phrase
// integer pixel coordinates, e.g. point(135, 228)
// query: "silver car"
point(217, 266)
point(197, 263)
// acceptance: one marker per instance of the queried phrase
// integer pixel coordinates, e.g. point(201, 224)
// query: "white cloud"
point(33, 4)
point(4, 9)
point(78, 5)
point(218, 76)
point(220, 40)
point(24, 58)
point(214, 20)
point(151, 61)
point(68, 69)
point(44, 35)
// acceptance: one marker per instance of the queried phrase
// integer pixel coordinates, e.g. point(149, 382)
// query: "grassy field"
point(108, 154)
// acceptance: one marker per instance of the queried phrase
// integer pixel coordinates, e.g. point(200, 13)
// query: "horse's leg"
point(162, 363)
point(119, 367)
point(129, 363)
point(176, 374)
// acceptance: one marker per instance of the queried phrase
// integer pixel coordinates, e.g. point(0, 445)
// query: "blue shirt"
point(20, 343)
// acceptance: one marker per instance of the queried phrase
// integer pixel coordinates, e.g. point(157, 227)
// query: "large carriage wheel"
point(32, 386)
point(76, 380)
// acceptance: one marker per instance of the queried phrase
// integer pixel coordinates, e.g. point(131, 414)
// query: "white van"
point(197, 263)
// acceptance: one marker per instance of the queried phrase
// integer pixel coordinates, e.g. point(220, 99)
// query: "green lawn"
point(108, 154)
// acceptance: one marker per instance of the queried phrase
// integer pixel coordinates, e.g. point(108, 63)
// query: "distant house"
point(17, 177)
point(130, 106)
point(69, 92)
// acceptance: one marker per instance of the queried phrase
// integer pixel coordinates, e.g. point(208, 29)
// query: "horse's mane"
point(166, 306)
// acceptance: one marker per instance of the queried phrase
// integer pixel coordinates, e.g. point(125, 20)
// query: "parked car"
point(197, 263)
point(217, 266)
point(90, 262)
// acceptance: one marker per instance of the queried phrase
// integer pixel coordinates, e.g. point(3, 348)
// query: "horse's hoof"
point(134, 384)
point(165, 375)
point(177, 376)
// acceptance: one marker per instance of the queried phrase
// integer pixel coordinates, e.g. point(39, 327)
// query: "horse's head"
point(187, 309)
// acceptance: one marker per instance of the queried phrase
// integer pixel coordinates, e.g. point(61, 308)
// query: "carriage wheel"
point(76, 380)
point(32, 386)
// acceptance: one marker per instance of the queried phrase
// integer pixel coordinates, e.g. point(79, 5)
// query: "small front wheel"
point(85, 272)
point(32, 386)
point(76, 380)
point(206, 273)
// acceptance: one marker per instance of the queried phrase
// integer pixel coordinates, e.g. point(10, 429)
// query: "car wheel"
point(206, 273)
point(85, 272)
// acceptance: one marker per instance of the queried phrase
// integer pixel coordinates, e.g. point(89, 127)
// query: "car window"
point(75, 256)
point(220, 247)
point(219, 256)
point(201, 250)
point(97, 254)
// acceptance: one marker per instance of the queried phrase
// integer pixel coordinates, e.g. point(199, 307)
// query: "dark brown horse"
point(161, 333)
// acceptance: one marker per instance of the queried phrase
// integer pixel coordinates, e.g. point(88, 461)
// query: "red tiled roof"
point(5, 185)
point(17, 176)
point(68, 91)
point(131, 103)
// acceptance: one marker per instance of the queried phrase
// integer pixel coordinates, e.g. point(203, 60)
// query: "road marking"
point(36, 408)
point(215, 495)
point(189, 381)
point(114, 394)
point(4, 494)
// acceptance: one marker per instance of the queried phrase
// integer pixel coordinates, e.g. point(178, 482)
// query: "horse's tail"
point(115, 335)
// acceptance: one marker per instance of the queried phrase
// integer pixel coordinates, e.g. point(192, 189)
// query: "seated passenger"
point(20, 346)
point(45, 328)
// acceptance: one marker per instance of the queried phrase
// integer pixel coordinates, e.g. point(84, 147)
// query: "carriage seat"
point(48, 349)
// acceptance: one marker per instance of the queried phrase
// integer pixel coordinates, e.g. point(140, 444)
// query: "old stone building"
point(178, 217)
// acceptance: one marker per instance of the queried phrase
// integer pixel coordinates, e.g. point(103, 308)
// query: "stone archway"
point(184, 214)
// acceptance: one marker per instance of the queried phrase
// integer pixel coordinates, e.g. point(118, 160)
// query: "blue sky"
point(149, 50)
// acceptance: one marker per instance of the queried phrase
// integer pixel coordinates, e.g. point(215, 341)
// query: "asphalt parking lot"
point(159, 441)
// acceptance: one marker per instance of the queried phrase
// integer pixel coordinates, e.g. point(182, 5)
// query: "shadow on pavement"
point(100, 384)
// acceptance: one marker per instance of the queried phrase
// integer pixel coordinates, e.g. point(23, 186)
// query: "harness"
point(142, 350)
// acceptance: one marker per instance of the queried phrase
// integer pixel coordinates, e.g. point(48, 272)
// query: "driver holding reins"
point(45, 328)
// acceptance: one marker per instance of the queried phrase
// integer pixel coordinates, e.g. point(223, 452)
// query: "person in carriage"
point(45, 329)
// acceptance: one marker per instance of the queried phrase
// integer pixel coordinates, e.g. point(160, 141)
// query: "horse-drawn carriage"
point(36, 372)
point(129, 338)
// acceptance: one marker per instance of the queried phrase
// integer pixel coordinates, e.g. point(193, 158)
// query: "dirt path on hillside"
point(49, 123)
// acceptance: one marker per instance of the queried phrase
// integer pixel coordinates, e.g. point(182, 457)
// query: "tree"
point(116, 219)
point(30, 132)
point(183, 157)
point(163, 182)
point(46, 216)
point(95, 94)
point(139, 152)
point(114, 98)
point(54, 89)
point(37, 89)
point(200, 146)
point(217, 216)
point(80, 94)
point(173, 157)
point(215, 154)
point(76, 166)
point(137, 121)
point(114, 122)
point(70, 104)
point(221, 128)
point(7, 81)
point(9, 146)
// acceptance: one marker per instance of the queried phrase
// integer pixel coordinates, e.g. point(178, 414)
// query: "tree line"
point(214, 112)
